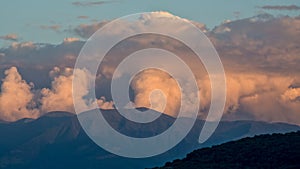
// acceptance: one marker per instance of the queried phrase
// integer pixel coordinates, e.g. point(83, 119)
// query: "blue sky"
point(25, 18)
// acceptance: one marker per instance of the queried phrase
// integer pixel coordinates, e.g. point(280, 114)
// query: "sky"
point(43, 21)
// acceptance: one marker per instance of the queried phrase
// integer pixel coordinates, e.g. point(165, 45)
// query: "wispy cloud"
point(82, 17)
point(11, 37)
point(91, 3)
point(281, 7)
point(86, 30)
point(51, 27)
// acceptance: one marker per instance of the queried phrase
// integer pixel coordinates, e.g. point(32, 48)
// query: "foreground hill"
point(276, 151)
point(56, 140)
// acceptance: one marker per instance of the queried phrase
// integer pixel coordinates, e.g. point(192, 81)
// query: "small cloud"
point(51, 27)
point(71, 39)
point(86, 30)
point(16, 45)
point(82, 17)
point(11, 37)
point(281, 7)
point(91, 3)
point(221, 29)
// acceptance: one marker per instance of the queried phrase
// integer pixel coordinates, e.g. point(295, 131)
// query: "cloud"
point(105, 105)
point(60, 96)
point(262, 43)
point(87, 30)
point(166, 100)
point(71, 39)
point(281, 7)
point(257, 53)
point(11, 37)
point(260, 55)
point(247, 91)
point(256, 96)
point(17, 45)
point(261, 59)
point(291, 95)
point(91, 3)
point(16, 97)
point(34, 103)
point(82, 17)
point(153, 19)
point(55, 28)
point(36, 60)
point(278, 103)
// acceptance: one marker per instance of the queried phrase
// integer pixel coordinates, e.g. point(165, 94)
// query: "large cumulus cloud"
point(16, 98)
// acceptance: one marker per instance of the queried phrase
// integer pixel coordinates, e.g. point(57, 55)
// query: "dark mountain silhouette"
point(56, 140)
point(276, 151)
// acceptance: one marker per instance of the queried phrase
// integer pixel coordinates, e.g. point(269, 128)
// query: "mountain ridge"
point(58, 140)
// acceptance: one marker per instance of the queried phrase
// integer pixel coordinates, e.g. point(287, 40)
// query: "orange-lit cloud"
point(263, 96)
point(51, 27)
point(11, 37)
point(71, 39)
point(260, 56)
point(60, 97)
point(166, 100)
point(16, 45)
point(16, 97)
point(18, 100)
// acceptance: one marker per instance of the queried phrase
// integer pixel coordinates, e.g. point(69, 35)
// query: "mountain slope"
point(56, 140)
point(276, 151)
